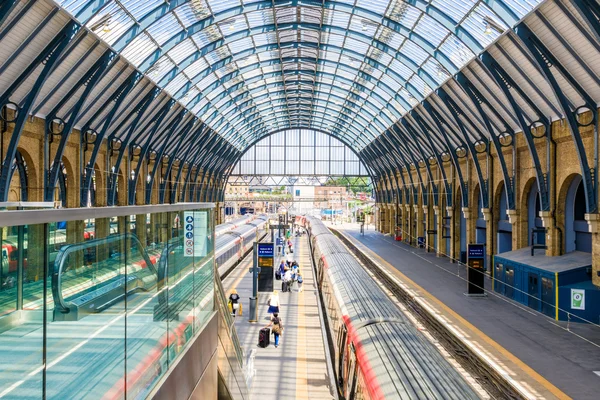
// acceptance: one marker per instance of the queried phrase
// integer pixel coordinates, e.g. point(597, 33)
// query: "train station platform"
point(528, 346)
point(297, 369)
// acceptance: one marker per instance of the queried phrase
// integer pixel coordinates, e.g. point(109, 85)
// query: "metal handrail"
point(65, 251)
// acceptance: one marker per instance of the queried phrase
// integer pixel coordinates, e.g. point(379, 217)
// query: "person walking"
point(287, 280)
point(234, 302)
point(273, 303)
point(290, 249)
point(300, 281)
point(277, 329)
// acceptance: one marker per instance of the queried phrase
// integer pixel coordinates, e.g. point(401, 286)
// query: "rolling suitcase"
point(277, 275)
point(264, 337)
point(284, 286)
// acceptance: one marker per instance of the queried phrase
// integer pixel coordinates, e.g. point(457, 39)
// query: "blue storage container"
point(533, 281)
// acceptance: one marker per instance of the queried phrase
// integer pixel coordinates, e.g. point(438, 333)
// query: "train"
point(230, 248)
point(377, 352)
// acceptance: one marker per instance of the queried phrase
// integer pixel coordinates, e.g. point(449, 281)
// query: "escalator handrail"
point(65, 251)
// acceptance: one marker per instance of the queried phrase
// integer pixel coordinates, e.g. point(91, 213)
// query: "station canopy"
point(351, 68)
point(401, 82)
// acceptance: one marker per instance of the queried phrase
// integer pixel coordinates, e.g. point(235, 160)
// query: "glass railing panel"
point(111, 301)
point(21, 312)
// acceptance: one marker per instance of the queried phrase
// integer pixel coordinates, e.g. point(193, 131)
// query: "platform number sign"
point(196, 233)
point(577, 299)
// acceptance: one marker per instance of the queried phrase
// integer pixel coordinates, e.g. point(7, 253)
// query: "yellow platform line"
point(301, 364)
point(527, 369)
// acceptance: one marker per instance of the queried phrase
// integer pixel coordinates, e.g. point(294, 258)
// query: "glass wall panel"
point(109, 301)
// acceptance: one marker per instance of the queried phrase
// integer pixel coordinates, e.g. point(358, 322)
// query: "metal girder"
point(589, 11)
point(89, 80)
point(172, 157)
point(548, 63)
point(138, 109)
point(477, 98)
point(396, 131)
point(507, 85)
point(6, 7)
point(47, 57)
point(437, 118)
point(409, 130)
point(158, 119)
point(426, 129)
point(456, 112)
point(173, 127)
point(113, 102)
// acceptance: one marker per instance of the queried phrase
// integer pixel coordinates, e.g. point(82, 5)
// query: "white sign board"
point(577, 299)
point(195, 228)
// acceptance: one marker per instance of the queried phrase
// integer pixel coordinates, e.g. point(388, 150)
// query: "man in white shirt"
point(287, 278)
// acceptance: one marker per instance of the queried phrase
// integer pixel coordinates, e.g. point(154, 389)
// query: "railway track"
point(494, 383)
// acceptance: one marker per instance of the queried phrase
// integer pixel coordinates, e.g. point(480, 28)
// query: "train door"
point(341, 347)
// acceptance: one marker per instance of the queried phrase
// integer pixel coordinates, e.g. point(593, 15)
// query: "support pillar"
point(440, 249)
point(552, 234)
point(490, 233)
point(470, 220)
point(451, 252)
point(407, 234)
point(513, 219)
point(418, 229)
point(594, 227)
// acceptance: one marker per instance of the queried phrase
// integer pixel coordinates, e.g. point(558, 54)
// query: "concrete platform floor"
point(297, 369)
point(550, 358)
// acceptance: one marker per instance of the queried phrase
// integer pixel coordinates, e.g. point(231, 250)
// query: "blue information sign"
point(476, 252)
point(265, 249)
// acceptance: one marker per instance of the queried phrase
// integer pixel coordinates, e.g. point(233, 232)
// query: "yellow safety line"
point(301, 365)
point(527, 369)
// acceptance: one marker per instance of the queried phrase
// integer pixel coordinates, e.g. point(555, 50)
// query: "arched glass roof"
point(351, 68)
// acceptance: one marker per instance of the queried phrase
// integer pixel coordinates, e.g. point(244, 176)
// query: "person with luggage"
point(300, 281)
point(279, 273)
point(277, 329)
point(290, 247)
point(287, 281)
point(273, 303)
point(234, 303)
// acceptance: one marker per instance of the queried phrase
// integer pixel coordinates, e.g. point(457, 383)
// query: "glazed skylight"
point(351, 68)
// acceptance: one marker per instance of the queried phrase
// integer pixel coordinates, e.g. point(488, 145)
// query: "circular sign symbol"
point(189, 243)
point(577, 296)
point(189, 235)
point(189, 227)
point(189, 252)
point(189, 219)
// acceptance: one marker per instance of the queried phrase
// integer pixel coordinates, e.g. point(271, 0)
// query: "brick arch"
point(71, 195)
point(561, 214)
point(35, 190)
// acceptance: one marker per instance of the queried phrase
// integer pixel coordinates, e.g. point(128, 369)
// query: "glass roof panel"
point(376, 58)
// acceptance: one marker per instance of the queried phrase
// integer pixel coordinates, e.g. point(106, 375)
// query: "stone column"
point(439, 227)
point(594, 227)
point(419, 221)
point(490, 233)
point(513, 219)
point(470, 221)
point(552, 235)
point(451, 252)
point(407, 234)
